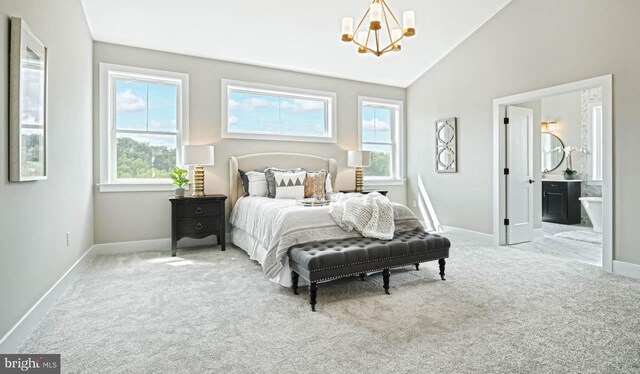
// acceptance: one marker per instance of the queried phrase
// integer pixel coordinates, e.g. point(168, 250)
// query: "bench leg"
point(294, 282)
point(385, 278)
point(417, 265)
point(313, 290)
point(362, 275)
point(442, 262)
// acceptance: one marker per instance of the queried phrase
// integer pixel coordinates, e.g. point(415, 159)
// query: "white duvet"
point(279, 224)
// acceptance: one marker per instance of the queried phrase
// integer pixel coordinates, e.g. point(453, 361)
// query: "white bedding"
point(278, 224)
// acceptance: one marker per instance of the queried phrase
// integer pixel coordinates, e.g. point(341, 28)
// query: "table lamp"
point(198, 155)
point(358, 159)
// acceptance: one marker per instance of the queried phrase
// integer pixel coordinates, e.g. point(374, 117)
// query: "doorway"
point(519, 199)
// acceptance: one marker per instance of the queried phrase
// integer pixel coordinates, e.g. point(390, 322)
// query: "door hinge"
point(506, 222)
point(506, 171)
point(506, 121)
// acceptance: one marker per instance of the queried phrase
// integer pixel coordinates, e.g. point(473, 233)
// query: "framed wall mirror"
point(552, 152)
point(446, 149)
point(27, 105)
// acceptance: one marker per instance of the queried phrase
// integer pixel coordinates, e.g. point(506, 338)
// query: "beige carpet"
point(500, 311)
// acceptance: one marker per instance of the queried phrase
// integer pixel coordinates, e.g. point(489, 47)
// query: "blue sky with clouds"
point(251, 112)
point(147, 106)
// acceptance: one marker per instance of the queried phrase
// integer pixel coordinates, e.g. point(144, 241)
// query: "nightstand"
point(197, 218)
point(365, 192)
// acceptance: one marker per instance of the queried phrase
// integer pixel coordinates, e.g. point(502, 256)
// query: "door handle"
point(531, 181)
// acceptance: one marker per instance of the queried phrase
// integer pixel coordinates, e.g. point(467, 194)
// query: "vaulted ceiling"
point(295, 35)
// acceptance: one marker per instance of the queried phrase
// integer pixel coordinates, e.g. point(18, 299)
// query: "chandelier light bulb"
point(362, 40)
point(396, 39)
point(375, 15)
point(409, 22)
point(347, 29)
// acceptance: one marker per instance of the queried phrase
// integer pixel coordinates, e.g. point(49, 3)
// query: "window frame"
point(109, 73)
point(280, 91)
point(596, 157)
point(397, 140)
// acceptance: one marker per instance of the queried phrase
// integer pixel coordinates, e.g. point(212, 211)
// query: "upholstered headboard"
point(279, 160)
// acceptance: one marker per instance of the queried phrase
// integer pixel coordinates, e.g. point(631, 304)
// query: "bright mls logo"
point(42, 364)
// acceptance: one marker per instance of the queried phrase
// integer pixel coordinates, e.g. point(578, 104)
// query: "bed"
point(266, 228)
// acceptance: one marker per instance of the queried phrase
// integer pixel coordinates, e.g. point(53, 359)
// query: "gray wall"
point(35, 216)
point(526, 46)
point(567, 111)
point(146, 215)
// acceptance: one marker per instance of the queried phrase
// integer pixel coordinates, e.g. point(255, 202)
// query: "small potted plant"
point(179, 177)
point(569, 173)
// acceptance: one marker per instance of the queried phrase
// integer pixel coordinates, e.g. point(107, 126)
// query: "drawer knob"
point(198, 210)
point(199, 226)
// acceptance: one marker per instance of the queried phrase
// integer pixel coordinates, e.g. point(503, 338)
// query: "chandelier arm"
point(377, 41)
point(361, 21)
point(386, 21)
point(392, 15)
point(387, 48)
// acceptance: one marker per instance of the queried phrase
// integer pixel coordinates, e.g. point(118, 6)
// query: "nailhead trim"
point(371, 270)
point(366, 262)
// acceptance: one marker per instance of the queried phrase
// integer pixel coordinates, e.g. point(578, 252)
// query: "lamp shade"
point(358, 158)
point(198, 155)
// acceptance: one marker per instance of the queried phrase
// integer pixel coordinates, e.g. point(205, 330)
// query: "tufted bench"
point(323, 261)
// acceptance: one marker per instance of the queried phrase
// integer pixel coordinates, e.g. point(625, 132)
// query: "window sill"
point(136, 187)
point(384, 182)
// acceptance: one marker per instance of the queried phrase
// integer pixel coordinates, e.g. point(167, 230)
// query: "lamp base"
point(198, 178)
point(359, 179)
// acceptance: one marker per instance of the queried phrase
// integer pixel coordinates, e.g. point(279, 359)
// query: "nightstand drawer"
point(198, 225)
point(199, 209)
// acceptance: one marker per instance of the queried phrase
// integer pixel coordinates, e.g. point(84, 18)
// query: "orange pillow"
point(314, 183)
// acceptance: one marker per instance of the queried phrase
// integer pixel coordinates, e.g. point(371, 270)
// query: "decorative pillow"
point(257, 183)
point(315, 183)
point(245, 180)
point(271, 181)
point(328, 187)
point(289, 185)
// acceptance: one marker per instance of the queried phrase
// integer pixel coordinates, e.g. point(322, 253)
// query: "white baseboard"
point(482, 238)
point(627, 269)
point(134, 246)
point(25, 326)
point(152, 245)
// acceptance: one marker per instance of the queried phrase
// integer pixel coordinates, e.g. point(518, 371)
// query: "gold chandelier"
point(379, 15)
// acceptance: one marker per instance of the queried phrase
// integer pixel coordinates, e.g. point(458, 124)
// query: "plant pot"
point(179, 193)
point(570, 174)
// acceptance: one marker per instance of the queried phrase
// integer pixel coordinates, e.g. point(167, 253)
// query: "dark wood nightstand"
point(365, 192)
point(197, 218)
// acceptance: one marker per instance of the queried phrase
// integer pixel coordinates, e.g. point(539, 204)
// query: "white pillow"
point(328, 188)
point(257, 183)
point(290, 185)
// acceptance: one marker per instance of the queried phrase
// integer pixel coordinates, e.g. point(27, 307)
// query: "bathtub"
point(593, 206)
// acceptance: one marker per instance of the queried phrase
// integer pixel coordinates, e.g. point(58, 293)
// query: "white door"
point(519, 178)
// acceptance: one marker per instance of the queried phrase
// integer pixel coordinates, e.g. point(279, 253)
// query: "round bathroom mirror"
point(552, 152)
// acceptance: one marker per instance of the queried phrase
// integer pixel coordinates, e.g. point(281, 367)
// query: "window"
point(256, 111)
point(381, 134)
point(143, 123)
point(596, 144)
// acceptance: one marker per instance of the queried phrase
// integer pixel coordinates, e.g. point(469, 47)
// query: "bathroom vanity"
point(560, 201)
